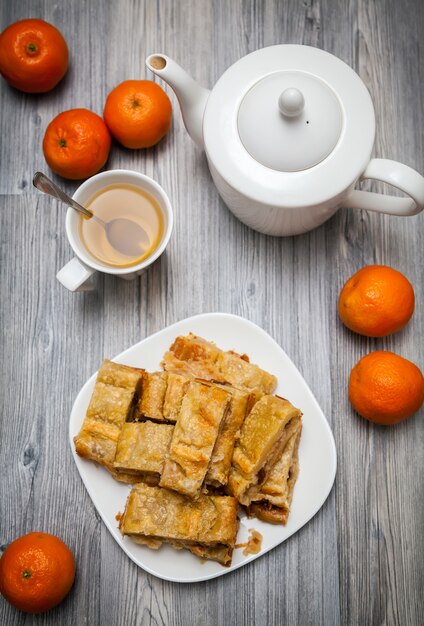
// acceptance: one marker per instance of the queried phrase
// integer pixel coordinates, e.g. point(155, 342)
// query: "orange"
point(76, 144)
point(385, 388)
point(376, 301)
point(138, 113)
point(33, 56)
point(36, 572)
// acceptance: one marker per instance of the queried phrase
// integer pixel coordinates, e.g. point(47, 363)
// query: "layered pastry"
point(141, 451)
point(175, 391)
point(123, 376)
point(111, 405)
point(206, 526)
point(240, 404)
point(150, 403)
point(203, 410)
point(263, 437)
point(182, 437)
point(272, 503)
point(194, 356)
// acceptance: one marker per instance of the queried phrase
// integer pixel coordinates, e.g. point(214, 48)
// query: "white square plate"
point(317, 452)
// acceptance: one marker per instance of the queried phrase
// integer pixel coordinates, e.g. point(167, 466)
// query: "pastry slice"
point(150, 404)
point(206, 526)
point(196, 368)
point(111, 373)
point(177, 385)
point(194, 356)
point(97, 441)
point(272, 503)
point(202, 412)
point(238, 371)
point(263, 437)
point(193, 348)
point(141, 451)
point(240, 404)
point(111, 404)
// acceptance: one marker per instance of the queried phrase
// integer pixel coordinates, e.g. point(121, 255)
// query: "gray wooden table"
point(360, 559)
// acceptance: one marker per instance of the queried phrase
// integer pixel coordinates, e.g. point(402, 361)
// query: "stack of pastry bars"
point(197, 439)
point(111, 406)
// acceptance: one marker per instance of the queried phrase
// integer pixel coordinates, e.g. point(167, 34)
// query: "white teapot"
point(288, 131)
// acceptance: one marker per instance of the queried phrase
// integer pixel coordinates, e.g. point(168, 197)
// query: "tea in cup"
point(130, 228)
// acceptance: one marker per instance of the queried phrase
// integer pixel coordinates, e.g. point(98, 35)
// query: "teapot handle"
point(400, 176)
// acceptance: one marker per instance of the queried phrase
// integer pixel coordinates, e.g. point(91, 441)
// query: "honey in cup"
point(133, 204)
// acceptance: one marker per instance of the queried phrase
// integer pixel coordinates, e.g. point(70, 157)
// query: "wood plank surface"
point(360, 559)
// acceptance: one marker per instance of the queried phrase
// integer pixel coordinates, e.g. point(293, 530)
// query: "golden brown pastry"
point(239, 372)
point(111, 404)
point(272, 503)
point(112, 373)
point(97, 441)
point(150, 404)
point(240, 404)
point(194, 356)
point(175, 391)
point(206, 423)
point(141, 451)
point(263, 437)
point(206, 526)
point(202, 411)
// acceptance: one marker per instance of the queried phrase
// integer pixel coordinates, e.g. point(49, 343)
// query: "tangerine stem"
point(32, 48)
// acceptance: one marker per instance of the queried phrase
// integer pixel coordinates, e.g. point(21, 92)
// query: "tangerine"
point(376, 301)
point(33, 55)
point(385, 388)
point(36, 572)
point(76, 144)
point(138, 113)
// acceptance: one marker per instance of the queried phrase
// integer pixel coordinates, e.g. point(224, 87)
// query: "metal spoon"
point(126, 236)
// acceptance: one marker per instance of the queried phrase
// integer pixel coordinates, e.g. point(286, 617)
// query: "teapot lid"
point(290, 121)
point(289, 125)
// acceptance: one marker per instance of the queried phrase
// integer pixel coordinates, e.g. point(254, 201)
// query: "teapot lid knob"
point(291, 102)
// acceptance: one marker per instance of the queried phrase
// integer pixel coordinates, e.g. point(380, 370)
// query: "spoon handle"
point(43, 183)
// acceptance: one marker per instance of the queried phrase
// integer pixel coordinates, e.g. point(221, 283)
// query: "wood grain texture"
point(360, 559)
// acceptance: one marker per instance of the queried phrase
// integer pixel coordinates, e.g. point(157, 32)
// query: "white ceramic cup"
point(77, 274)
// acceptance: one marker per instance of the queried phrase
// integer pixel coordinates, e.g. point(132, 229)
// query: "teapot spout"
point(191, 96)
